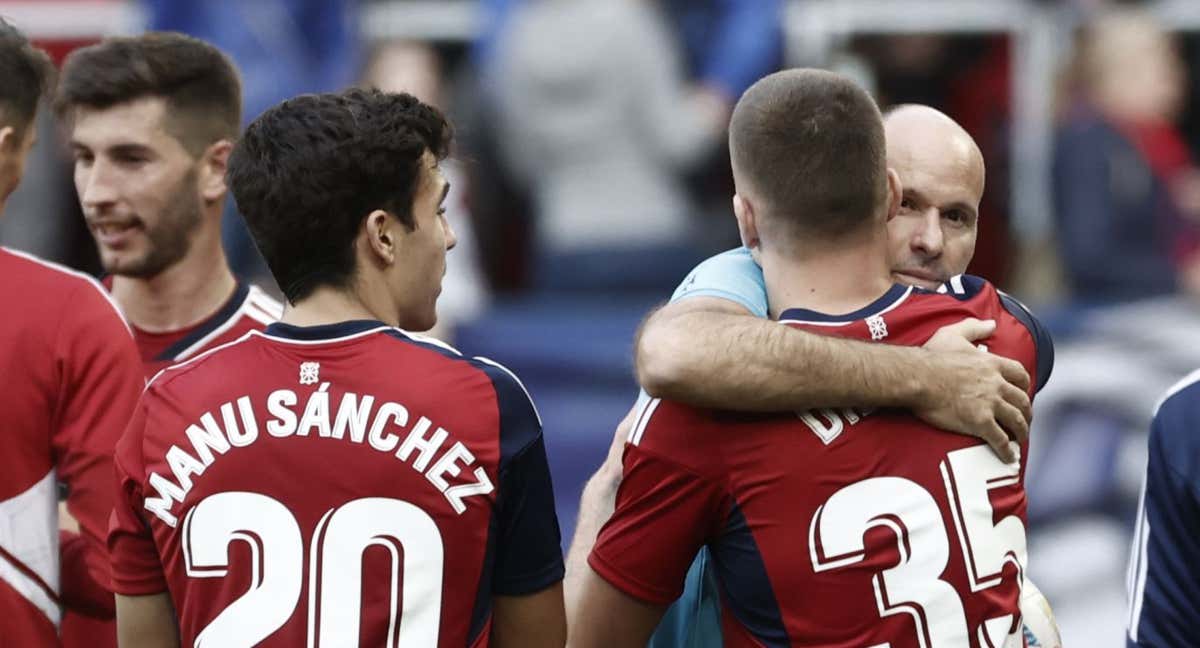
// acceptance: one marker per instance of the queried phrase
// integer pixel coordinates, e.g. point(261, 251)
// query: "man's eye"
point(905, 203)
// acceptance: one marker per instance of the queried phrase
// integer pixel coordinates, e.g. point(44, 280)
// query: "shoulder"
point(681, 434)
point(200, 364)
point(1177, 413)
point(58, 285)
point(985, 301)
point(520, 422)
point(732, 275)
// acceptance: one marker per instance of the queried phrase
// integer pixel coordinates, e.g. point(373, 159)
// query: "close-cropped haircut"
point(199, 84)
point(307, 172)
point(810, 145)
point(25, 76)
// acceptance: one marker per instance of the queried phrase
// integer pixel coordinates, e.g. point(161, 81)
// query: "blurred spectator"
point(596, 118)
point(416, 68)
point(283, 48)
point(728, 44)
point(1125, 184)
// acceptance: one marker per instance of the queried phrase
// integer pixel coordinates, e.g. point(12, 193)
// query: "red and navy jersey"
point(348, 484)
point(835, 527)
point(70, 376)
point(248, 309)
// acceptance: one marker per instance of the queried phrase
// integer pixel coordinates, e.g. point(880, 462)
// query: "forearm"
point(595, 507)
point(723, 360)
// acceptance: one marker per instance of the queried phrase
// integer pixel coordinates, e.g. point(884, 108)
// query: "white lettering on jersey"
point(356, 420)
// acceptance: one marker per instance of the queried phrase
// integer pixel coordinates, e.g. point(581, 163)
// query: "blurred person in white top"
point(597, 119)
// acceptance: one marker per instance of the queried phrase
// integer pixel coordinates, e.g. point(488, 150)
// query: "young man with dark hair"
point(70, 377)
point(402, 485)
point(151, 121)
point(767, 493)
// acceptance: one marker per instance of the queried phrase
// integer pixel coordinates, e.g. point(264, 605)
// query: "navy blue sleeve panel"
point(528, 555)
point(1164, 583)
point(1042, 341)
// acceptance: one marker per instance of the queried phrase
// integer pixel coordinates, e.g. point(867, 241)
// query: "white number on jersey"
point(914, 586)
point(335, 563)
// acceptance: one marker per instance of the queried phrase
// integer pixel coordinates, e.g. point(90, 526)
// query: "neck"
point(833, 279)
point(329, 305)
point(184, 294)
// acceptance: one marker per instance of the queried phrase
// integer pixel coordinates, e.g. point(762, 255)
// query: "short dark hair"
point(308, 171)
point(199, 83)
point(810, 144)
point(27, 74)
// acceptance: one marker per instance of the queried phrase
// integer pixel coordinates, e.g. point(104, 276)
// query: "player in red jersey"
point(334, 480)
point(151, 120)
point(831, 527)
point(70, 377)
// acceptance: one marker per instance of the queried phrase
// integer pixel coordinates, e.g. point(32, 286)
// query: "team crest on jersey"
point(877, 326)
point(310, 373)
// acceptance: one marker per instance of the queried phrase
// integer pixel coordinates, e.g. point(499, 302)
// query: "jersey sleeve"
point(1043, 343)
point(665, 512)
point(731, 275)
point(528, 543)
point(1164, 593)
point(101, 377)
point(136, 567)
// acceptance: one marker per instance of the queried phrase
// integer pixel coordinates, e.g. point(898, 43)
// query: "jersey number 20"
point(334, 568)
point(914, 586)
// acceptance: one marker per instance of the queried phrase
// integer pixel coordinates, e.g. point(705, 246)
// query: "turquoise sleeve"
point(731, 275)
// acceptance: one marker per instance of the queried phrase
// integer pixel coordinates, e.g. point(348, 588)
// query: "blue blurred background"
point(591, 174)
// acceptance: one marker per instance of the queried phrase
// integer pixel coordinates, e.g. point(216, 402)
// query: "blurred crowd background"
point(591, 174)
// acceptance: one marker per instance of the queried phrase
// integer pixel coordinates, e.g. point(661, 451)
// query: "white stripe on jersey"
point(643, 419)
point(202, 355)
point(265, 302)
point(435, 342)
point(323, 340)
point(957, 284)
point(250, 307)
point(899, 300)
point(1136, 578)
point(258, 315)
point(75, 273)
point(518, 380)
point(1183, 384)
point(29, 533)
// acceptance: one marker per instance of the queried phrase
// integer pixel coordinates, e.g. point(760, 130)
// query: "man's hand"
point(973, 392)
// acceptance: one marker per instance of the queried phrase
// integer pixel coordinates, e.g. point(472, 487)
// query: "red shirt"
point(835, 528)
point(70, 376)
point(342, 484)
point(248, 309)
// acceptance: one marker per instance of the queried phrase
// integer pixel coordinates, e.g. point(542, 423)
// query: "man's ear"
point(214, 162)
point(895, 193)
point(747, 222)
point(380, 231)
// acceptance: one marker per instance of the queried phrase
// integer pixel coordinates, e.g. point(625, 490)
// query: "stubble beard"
point(169, 240)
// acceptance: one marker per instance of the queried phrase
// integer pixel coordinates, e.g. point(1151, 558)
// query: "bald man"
point(714, 346)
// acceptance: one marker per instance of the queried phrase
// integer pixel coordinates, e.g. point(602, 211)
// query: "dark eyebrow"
point(445, 191)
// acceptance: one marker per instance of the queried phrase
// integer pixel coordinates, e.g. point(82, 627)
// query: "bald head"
point(925, 141)
point(941, 171)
